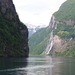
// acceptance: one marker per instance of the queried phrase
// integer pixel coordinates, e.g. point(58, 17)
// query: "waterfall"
point(52, 25)
point(50, 44)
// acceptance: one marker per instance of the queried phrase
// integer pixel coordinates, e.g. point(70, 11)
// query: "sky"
point(36, 12)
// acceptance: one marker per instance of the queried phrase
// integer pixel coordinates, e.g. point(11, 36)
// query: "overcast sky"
point(36, 12)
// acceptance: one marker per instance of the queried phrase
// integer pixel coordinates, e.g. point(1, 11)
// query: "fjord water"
point(37, 65)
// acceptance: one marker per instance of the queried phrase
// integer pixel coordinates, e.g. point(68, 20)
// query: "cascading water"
point(52, 26)
point(50, 44)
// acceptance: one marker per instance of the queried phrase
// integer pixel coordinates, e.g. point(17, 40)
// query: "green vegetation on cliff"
point(13, 33)
point(66, 27)
point(65, 31)
point(66, 11)
point(66, 14)
point(10, 38)
point(38, 41)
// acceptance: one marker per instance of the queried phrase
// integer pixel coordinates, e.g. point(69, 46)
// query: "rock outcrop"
point(8, 9)
point(57, 42)
point(69, 22)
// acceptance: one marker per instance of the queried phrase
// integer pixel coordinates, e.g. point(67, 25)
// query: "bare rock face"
point(10, 18)
point(57, 42)
point(69, 22)
point(7, 8)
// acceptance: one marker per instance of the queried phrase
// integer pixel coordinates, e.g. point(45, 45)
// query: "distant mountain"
point(31, 31)
point(33, 28)
point(59, 37)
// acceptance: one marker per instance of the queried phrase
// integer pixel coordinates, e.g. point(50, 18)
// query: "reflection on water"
point(37, 65)
point(40, 66)
point(13, 66)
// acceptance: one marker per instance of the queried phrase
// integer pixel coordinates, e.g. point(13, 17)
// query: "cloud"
point(42, 18)
point(36, 11)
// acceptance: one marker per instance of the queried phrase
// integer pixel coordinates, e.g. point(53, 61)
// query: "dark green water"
point(37, 65)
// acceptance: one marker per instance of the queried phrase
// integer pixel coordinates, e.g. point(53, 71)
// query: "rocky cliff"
point(13, 33)
point(62, 38)
point(55, 42)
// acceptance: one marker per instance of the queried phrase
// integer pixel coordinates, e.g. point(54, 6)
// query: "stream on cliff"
point(37, 65)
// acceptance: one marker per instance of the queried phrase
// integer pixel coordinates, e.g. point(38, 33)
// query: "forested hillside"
point(66, 15)
point(66, 11)
point(38, 41)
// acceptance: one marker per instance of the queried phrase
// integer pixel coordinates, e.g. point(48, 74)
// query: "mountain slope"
point(38, 41)
point(62, 31)
point(13, 33)
point(66, 11)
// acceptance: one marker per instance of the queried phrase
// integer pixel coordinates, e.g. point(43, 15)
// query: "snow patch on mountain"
point(33, 28)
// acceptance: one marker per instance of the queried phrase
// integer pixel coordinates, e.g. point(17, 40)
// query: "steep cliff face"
point(63, 26)
point(61, 40)
point(57, 43)
point(53, 39)
point(7, 8)
point(13, 33)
